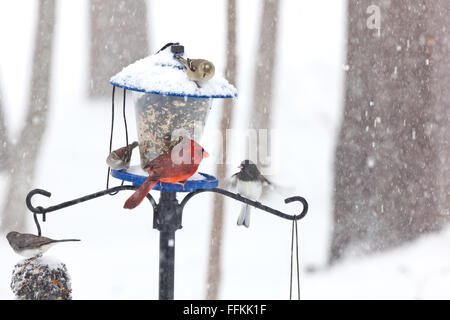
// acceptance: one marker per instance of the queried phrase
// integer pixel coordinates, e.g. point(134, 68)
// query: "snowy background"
point(118, 255)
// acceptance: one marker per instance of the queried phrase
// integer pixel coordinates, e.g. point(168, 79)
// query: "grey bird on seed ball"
point(29, 245)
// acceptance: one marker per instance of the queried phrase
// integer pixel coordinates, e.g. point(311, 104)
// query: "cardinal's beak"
point(205, 154)
point(240, 167)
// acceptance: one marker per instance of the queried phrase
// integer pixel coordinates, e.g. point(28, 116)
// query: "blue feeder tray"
point(208, 182)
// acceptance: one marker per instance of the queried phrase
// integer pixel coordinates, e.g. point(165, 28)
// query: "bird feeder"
point(167, 103)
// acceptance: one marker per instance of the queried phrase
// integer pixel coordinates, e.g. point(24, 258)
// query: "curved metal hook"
point(40, 210)
point(31, 194)
point(304, 203)
point(38, 226)
point(91, 196)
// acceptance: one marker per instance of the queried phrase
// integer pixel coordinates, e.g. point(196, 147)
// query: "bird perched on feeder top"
point(177, 164)
point(250, 184)
point(29, 245)
point(197, 69)
point(120, 158)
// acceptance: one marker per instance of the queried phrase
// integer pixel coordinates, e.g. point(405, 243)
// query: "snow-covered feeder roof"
point(162, 74)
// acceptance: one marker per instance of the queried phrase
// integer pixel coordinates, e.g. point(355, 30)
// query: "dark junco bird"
point(197, 69)
point(250, 184)
point(30, 245)
point(120, 158)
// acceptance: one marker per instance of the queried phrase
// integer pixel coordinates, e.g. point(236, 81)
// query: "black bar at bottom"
point(166, 264)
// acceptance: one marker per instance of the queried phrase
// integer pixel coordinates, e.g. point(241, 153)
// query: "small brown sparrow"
point(120, 158)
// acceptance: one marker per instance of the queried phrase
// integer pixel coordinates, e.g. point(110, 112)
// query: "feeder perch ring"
point(208, 182)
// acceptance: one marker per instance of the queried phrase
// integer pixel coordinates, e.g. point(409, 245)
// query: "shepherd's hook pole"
point(167, 218)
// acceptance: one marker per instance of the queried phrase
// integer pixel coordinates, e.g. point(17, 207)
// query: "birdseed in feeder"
point(162, 119)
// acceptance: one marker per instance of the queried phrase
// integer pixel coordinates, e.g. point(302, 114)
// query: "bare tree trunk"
point(265, 61)
point(214, 271)
point(387, 165)
point(24, 155)
point(439, 130)
point(4, 141)
point(260, 116)
point(118, 37)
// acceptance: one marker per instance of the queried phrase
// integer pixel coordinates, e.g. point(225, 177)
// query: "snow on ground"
point(118, 255)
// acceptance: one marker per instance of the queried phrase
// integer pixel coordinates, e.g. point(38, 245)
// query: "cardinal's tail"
point(244, 217)
point(139, 195)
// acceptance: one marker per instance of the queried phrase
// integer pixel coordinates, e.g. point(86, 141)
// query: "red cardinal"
point(173, 166)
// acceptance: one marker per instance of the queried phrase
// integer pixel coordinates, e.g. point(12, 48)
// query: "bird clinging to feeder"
point(120, 158)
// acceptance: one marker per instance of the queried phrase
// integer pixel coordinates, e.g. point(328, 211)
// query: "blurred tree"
point(260, 115)
point(23, 155)
point(265, 58)
point(118, 37)
point(214, 271)
point(392, 157)
point(4, 141)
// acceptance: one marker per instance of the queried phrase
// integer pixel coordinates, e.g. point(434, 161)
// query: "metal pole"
point(166, 264)
point(167, 220)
